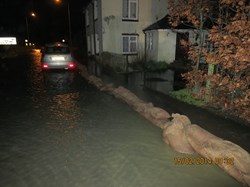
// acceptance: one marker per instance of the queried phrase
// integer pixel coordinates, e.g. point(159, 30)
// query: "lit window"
point(129, 44)
point(130, 10)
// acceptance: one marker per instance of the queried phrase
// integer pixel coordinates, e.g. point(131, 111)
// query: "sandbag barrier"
point(180, 134)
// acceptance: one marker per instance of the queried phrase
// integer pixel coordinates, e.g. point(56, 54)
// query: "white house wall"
point(98, 26)
point(166, 46)
point(109, 26)
point(88, 14)
point(152, 54)
point(159, 9)
point(113, 27)
point(93, 29)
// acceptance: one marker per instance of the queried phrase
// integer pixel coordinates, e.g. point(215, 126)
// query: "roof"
point(164, 23)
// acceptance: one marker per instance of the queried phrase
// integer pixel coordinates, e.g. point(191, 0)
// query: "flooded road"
point(56, 130)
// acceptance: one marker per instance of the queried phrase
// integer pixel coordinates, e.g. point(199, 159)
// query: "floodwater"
point(56, 130)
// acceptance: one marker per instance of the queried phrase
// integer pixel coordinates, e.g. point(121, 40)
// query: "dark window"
point(130, 10)
point(129, 43)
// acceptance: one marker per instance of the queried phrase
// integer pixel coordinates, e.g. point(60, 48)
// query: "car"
point(57, 56)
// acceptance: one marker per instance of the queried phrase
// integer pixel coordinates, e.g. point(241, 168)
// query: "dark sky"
point(51, 23)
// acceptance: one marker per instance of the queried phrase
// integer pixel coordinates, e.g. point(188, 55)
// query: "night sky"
point(50, 24)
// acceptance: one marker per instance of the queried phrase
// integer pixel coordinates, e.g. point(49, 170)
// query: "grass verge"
point(185, 95)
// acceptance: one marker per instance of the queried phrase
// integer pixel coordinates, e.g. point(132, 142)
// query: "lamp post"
point(69, 20)
point(32, 14)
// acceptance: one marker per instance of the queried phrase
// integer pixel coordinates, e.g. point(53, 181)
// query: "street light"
point(70, 32)
point(32, 14)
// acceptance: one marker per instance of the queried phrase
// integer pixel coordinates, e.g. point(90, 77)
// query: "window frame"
point(129, 4)
point(129, 36)
point(149, 41)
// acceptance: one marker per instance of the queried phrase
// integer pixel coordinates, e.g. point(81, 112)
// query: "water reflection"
point(35, 76)
point(64, 107)
point(58, 80)
point(55, 95)
point(63, 95)
point(54, 90)
point(49, 81)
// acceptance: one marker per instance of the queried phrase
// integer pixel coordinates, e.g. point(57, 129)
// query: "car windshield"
point(57, 49)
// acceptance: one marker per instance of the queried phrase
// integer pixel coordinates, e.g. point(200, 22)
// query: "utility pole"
point(32, 14)
point(27, 29)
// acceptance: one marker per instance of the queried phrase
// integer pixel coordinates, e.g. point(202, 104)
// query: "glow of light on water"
point(65, 107)
point(111, 146)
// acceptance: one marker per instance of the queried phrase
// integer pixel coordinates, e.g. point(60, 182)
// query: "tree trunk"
point(210, 72)
point(200, 47)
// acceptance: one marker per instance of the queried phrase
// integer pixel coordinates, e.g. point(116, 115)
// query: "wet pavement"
point(57, 130)
point(212, 121)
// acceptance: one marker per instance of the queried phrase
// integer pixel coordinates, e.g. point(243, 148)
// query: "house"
point(115, 27)
point(163, 41)
point(121, 31)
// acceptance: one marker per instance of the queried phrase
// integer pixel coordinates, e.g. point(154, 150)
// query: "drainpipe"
point(126, 68)
point(145, 46)
point(145, 57)
point(93, 16)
